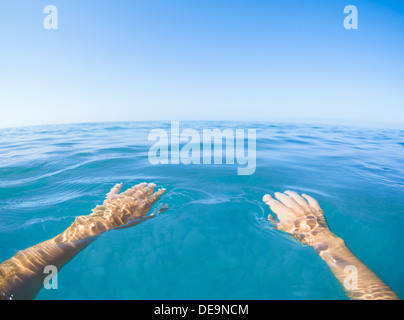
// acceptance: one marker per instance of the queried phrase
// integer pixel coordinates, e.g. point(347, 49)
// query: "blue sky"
point(201, 60)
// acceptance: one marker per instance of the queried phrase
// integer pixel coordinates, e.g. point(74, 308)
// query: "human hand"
point(129, 207)
point(303, 220)
point(119, 210)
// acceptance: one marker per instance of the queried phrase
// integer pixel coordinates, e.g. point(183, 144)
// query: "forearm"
point(357, 279)
point(22, 276)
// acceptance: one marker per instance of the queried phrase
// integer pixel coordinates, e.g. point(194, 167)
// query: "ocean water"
point(214, 242)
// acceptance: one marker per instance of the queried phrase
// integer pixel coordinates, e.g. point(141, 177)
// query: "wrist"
point(329, 246)
point(83, 228)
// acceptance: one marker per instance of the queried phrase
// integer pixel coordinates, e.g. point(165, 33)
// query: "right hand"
point(303, 220)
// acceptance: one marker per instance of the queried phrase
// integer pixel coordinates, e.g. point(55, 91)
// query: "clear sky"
point(201, 60)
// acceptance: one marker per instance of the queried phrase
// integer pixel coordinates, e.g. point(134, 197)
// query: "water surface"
point(214, 242)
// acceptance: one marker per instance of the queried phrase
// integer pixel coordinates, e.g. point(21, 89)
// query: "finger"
point(114, 190)
point(148, 190)
point(135, 188)
point(289, 202)
point(312, 202)
point(282, 211)
point(155, 196)
point(273, 221)
point(134, 222)
point(162, 209)
point(285, 226)
point(299, 200)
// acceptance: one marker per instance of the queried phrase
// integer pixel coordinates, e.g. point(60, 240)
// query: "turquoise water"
point(214, 242)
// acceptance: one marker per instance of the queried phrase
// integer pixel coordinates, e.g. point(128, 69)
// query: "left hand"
point(129, 207)
point(119, 211)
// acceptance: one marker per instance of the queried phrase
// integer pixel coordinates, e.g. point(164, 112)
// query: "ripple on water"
point(215, 240)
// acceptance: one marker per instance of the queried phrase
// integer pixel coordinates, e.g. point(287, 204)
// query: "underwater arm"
point(22, 276)
point(304, 220)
